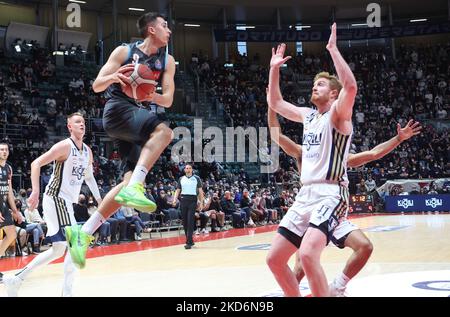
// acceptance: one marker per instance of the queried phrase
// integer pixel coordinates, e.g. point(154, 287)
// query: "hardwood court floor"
point(232, 263)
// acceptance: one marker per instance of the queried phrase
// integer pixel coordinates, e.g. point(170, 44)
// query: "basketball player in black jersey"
point(7, 203)
point(140, 136)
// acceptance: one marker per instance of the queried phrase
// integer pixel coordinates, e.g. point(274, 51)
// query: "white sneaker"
point(204, 231)
point(197, 232)
point(137, 237)
point(12, 284)
point(336, 291)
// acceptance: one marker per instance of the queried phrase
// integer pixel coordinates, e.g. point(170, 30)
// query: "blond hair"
point(334, 81)
point(75, 114)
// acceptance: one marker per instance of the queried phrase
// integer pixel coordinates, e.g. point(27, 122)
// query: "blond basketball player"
point(323, 199)
point(346, 233)
point(72, 165)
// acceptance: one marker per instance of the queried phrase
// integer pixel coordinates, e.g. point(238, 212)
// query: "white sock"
point(342, 280)
point(55, 252)
point(69, 276)
point(139, 174)
point(93, 223)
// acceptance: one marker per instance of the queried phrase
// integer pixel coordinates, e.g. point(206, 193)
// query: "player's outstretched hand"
point(410, 129)
point(332, 41)
point(278, 58)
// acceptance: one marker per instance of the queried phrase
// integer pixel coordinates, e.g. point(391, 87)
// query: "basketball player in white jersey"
point(72, 165)
point(324, 195)
point(346, 233)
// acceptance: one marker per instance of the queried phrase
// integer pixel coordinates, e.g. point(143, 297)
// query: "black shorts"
point(290, 236)
point(129, 126)
point(6, 213)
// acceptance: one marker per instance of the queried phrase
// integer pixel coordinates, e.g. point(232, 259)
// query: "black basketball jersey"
point(5, 177)
point(156, 62)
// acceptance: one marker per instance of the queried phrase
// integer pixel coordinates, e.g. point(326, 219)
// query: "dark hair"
point(144, 20)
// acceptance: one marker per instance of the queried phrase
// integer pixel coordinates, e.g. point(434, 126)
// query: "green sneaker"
point(133, 196)
point(78, 242)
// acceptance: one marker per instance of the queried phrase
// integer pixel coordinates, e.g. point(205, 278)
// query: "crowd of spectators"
point(416, 85)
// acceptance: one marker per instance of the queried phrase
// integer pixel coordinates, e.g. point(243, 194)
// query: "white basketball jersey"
point(68, 176)
point(324, 151)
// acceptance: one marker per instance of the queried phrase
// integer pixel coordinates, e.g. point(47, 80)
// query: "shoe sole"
point(146, 208)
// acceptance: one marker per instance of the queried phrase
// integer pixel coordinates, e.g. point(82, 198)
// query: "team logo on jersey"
point(158, 64)
point(4, 189)
point(78, 172)
point(310, 118)
point(135, 58)
point(311, 139)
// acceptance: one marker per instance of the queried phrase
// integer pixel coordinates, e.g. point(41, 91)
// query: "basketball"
point(142, 82)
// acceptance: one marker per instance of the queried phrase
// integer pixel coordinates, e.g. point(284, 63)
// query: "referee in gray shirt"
point(190, 187)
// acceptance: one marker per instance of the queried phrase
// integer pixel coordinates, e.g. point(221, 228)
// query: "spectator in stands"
point(165, 209)
point(214, 210)
point(133, 218)
point(280, 204)
point(33, 216)
point(80, 210)
point(22, 197)
point(268, 206)
point(246, 208)
point(259, 213)
point(370, 184)
point(33, 229)
point(120, 216)
point(201, 219)
point(229, 208)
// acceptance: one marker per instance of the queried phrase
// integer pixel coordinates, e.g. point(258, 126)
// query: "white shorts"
point(58, 213)
point(321, 205)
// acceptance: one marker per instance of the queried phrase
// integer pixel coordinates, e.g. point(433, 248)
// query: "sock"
point(139, 174)
point(342, 280)
point(69, 276)
point(93, 223)
point(55, 252)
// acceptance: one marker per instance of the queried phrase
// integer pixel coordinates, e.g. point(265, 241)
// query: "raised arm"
point(112, 71)
point(412, 128)
point(290, 147)
point(274, 97)
point(343, 107)
point(58, 152)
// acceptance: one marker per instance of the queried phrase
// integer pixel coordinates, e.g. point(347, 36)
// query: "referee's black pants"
point(188, 205)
